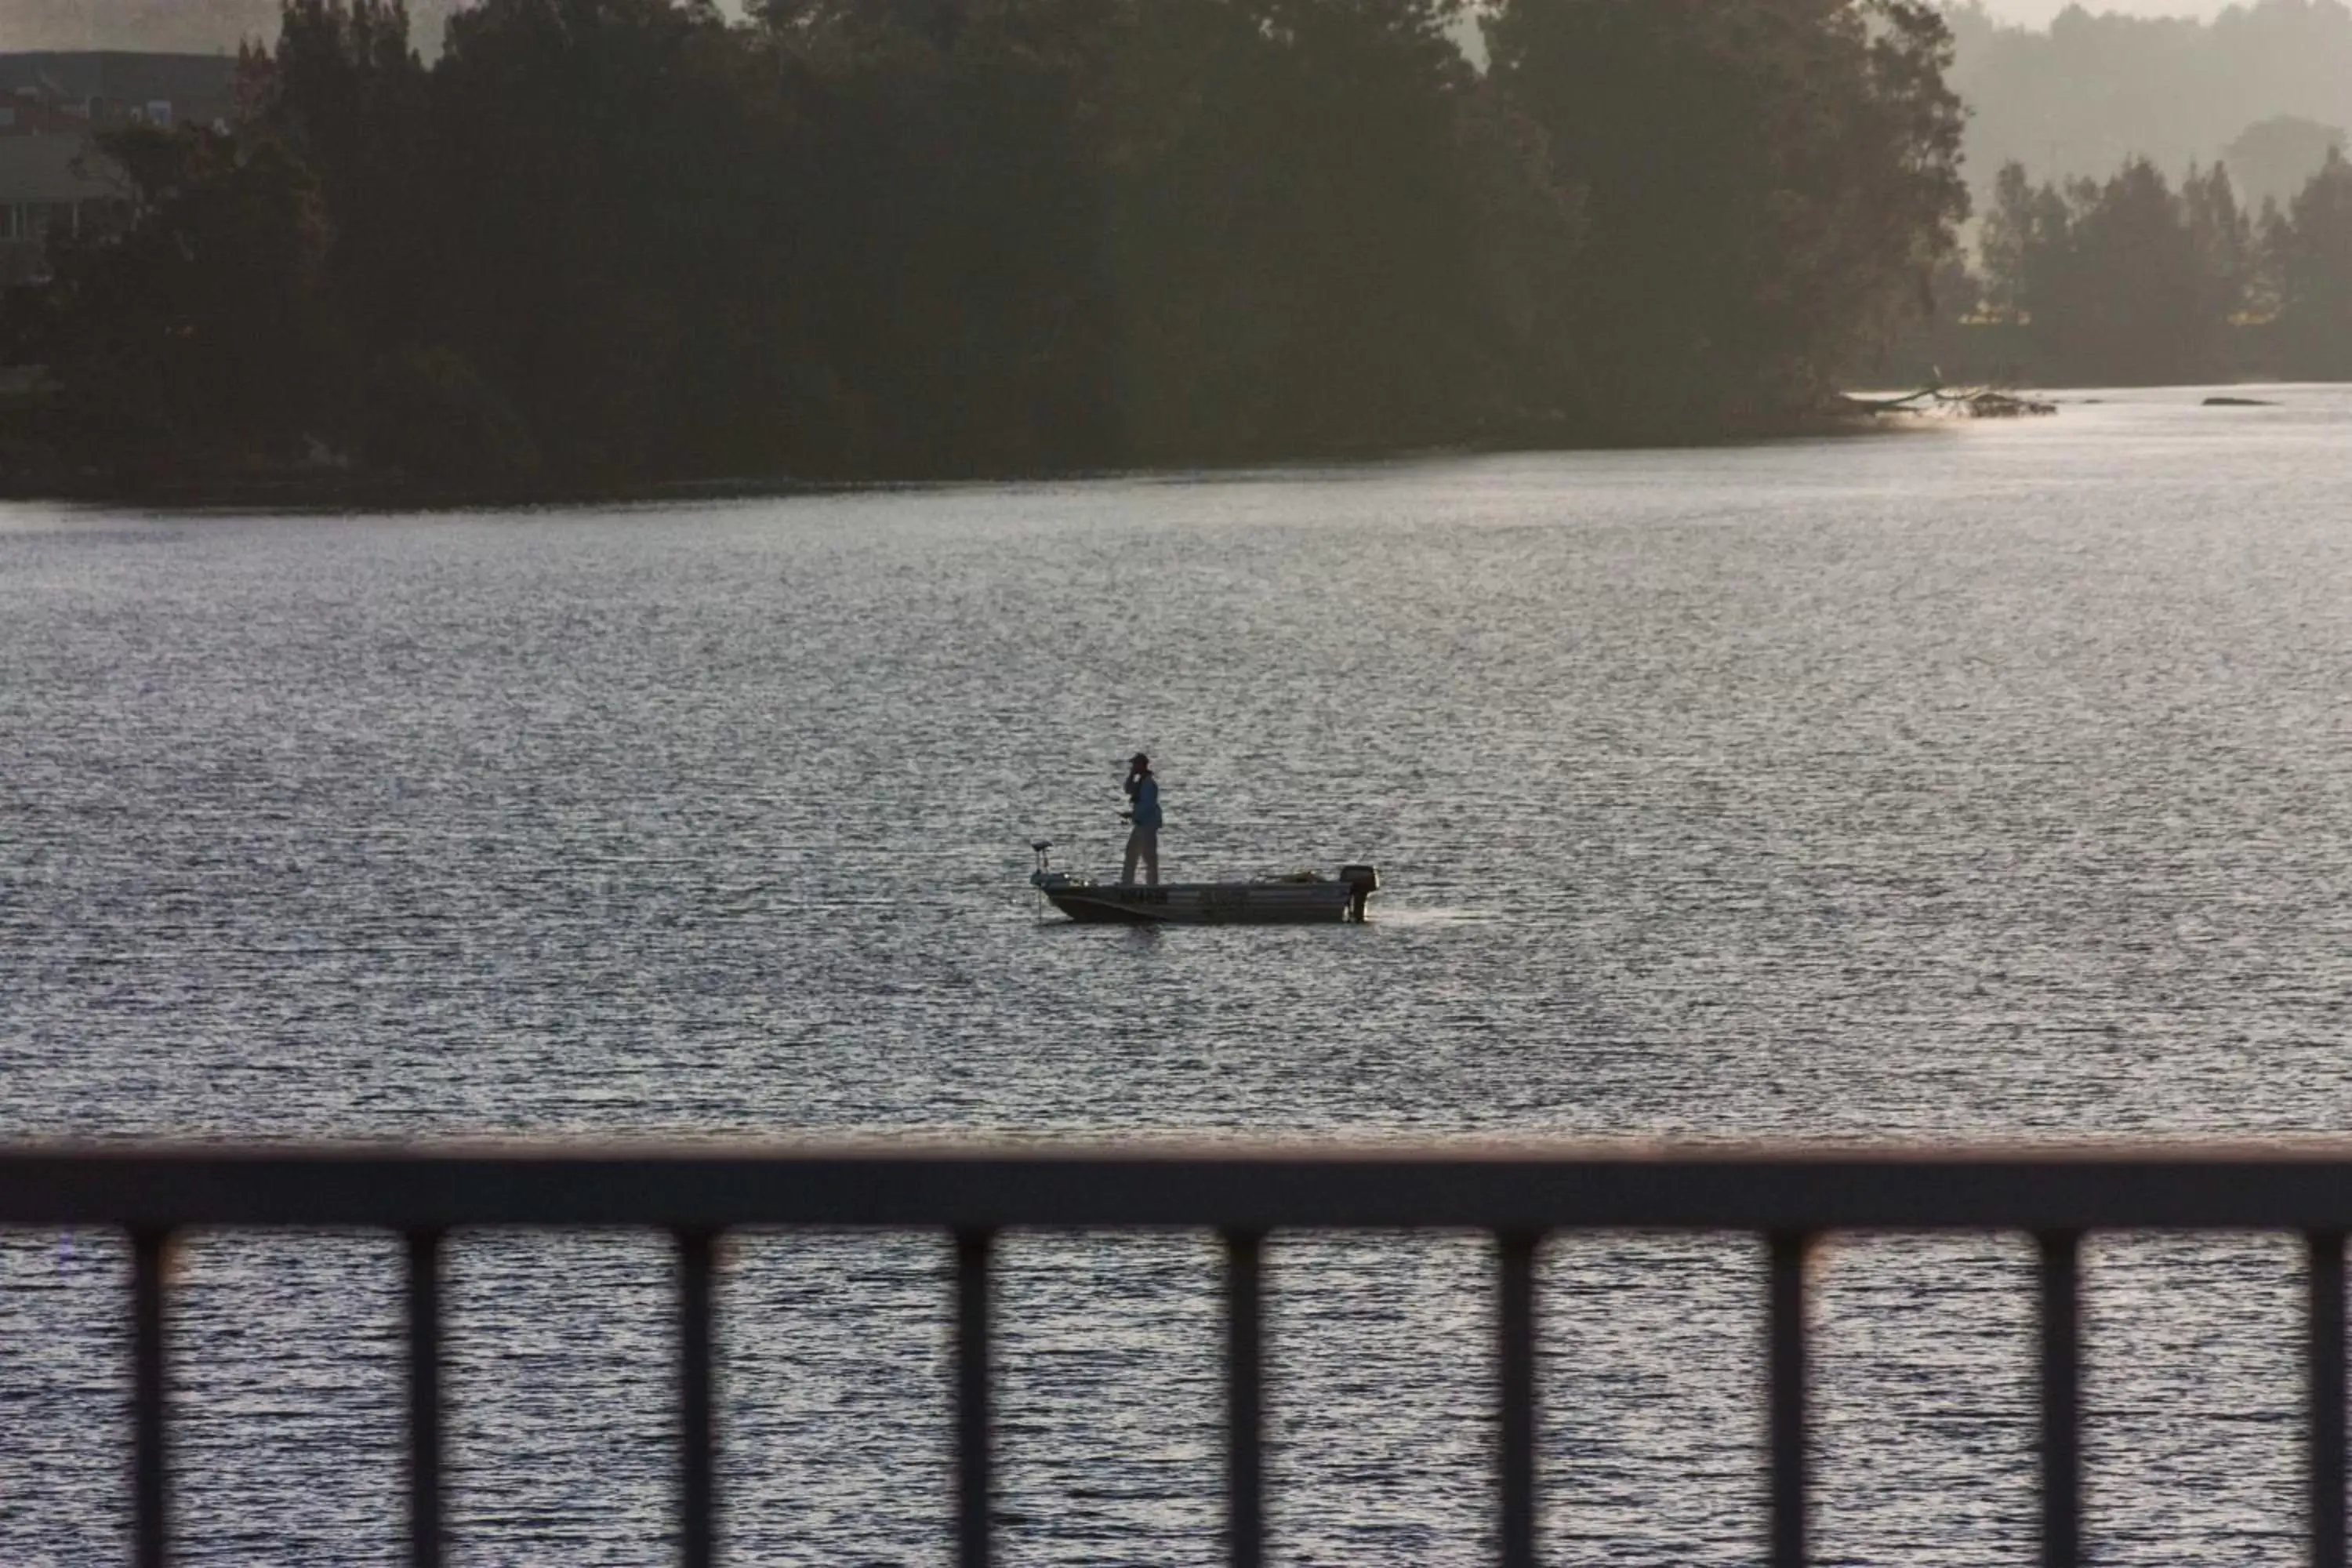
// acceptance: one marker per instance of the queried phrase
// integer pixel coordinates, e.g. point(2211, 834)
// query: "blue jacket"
point(1146, 792)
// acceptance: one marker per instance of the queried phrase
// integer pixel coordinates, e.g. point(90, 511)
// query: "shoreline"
point(295, 491)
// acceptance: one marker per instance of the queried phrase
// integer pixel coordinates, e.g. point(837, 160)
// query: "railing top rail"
point(1465, 1185)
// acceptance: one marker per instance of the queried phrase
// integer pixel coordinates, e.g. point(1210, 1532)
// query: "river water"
point(1988, 781)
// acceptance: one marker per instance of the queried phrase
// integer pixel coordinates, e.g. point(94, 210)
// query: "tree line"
point(617, 241)
point(2136, 280)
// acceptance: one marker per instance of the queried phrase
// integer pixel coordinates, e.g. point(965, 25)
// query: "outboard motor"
point(1362, 882)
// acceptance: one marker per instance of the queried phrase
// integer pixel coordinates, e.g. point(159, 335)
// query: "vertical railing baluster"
point(697, 1436)
point(1785, 1316)
point(2062, 1400)
point(1244, 1399)
point(149, 1463)
point(2326, 1418)
point(1517, 1366)
point(425, 1427)
point(974, 1483)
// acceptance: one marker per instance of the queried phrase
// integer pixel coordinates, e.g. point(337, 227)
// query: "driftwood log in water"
point(1982, 404)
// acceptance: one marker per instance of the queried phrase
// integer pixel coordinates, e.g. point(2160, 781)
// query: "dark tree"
point(950, 236)
point(2311, 259)
point(2007, 241)
point(1769, 184)
point(1300, 191)
point(204, 328)
point(347, 93)
point(2126, 281)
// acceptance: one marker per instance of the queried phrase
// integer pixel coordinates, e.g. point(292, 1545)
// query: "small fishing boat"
point(1304, 899)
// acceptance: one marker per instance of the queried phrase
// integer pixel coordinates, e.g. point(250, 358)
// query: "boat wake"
point(1451, 916)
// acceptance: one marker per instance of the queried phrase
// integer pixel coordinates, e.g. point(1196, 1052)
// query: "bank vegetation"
point(2138, 280)
point(601, 244)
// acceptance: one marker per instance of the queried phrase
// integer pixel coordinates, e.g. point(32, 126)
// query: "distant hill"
point(2081, 96)
point(170, 27)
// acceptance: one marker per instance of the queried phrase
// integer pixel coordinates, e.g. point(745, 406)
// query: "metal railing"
point(1787, 1195)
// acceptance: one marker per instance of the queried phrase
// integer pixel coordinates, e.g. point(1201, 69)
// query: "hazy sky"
point(2038, 12)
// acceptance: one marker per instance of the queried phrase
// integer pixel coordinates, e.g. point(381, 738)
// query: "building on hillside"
point(53, 179)
point(30, 116)
point(52, 185)
point(112, 87)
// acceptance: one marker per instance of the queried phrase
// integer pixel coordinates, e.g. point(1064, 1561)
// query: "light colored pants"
point(1143, 843)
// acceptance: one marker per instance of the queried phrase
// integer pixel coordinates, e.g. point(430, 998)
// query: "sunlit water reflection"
point(1987, 782)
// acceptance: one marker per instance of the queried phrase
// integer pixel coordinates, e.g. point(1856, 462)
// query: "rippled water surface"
point(1990, 781)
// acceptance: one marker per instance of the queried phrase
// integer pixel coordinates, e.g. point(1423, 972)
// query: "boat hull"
point(1211, 903)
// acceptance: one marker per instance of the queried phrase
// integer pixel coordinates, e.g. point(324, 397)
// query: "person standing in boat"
point(1143, 797)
